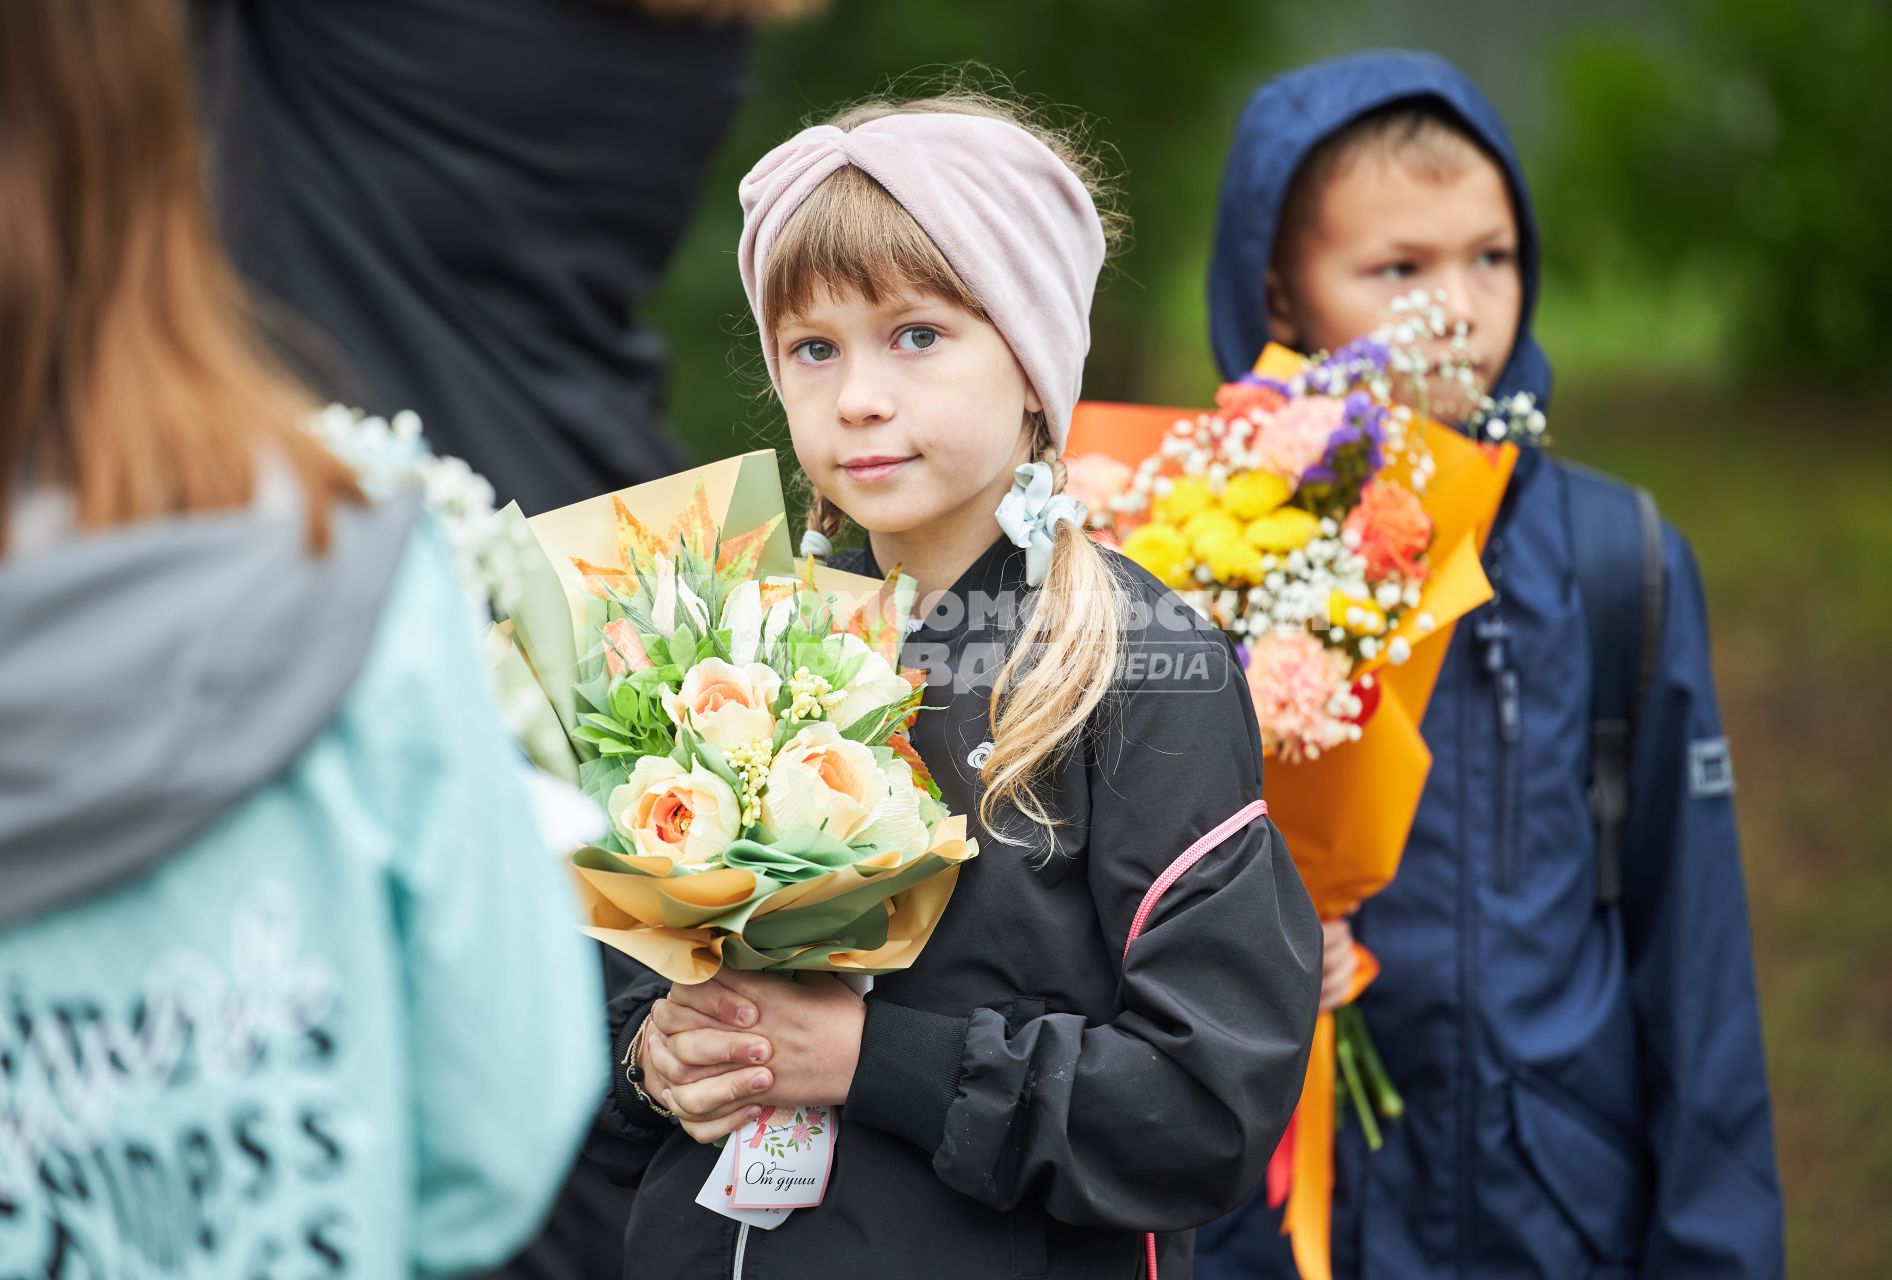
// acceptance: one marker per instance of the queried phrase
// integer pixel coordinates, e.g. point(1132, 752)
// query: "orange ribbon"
point(1306, 1154)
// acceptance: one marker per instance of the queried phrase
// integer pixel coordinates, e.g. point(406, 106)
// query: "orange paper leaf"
point(877, 621)
point(602, 581)
point(774, 591)
point(695, 527)
point(742, 554)
point(904, 749)
point(637, 543)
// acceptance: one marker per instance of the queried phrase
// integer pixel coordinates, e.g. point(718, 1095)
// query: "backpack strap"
point(1154, 894)
point(1616, 543)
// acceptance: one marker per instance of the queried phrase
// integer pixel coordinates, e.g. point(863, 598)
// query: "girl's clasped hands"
point(717, 1053)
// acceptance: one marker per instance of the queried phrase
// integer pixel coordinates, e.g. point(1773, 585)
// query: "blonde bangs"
point(851, 237)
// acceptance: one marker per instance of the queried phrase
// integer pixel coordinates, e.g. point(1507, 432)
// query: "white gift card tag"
point(783, 1158)
point(722, 1180)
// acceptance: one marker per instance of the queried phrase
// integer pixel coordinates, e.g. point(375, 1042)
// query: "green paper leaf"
point(801, 855)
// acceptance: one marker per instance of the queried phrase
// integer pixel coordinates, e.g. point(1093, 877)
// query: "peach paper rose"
point(820, 779)
point(667, 811)
point(724, 704)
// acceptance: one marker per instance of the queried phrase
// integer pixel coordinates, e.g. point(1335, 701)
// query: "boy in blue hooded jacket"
point(1581, 1062)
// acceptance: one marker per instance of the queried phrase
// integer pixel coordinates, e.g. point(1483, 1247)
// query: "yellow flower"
point(1360, 617)
point(1283, 530)
point(1230, 558)
point(1187, 496)
point(1162, 549)
point(1210, 526)
point(1255, 493)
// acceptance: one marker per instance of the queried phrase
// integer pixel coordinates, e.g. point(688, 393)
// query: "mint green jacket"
point(289, 986)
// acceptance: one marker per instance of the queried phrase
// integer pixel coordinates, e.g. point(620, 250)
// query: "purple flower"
point(1261, 380)
point(1360, 358)
point(1362, 423)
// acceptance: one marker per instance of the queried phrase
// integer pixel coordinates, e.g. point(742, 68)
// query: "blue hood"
point(1283, 122)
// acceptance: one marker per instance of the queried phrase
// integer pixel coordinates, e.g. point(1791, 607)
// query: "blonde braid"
point(1062, 666)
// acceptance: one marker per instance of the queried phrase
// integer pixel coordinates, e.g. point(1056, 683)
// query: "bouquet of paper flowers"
point(743, 730)
point(1335, 535)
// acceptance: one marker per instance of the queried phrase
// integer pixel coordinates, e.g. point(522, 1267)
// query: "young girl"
point(274, 915)
point(1028, 1099)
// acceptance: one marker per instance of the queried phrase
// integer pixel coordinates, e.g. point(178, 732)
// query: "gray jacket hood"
point(153, 677)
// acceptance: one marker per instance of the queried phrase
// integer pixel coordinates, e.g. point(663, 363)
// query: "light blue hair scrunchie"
point(1030, 515)
point(816, 544)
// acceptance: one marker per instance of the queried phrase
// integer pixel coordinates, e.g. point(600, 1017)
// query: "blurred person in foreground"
point(462, 208)
point(275, 920)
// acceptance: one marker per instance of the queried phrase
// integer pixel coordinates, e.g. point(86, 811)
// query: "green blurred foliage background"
point(1713, 185)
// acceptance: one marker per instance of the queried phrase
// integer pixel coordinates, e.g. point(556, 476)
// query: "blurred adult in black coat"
point(459, 207)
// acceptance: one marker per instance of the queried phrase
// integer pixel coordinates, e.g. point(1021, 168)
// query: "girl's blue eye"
point(814, 351)
point(1396, 271)
point(918, 338)
point(1494, 258)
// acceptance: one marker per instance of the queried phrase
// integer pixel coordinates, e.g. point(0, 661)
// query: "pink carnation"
point(1094, 479)
point(1293, 678)
point(1294, 437)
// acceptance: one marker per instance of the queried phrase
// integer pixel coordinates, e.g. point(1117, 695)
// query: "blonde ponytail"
point(1061, 667)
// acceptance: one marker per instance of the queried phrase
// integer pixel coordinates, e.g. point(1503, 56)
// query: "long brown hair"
point(131, 375)
point(851, 235)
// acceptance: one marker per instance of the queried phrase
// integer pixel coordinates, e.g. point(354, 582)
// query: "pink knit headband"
point(1012, 219)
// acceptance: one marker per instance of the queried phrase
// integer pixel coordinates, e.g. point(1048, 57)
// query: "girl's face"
point(908, 414)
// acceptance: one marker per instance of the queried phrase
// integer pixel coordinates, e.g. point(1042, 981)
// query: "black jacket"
point(1027, 1103)
point(469, 204)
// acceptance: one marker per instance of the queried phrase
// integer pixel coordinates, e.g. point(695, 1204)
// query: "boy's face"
point(1381, 229)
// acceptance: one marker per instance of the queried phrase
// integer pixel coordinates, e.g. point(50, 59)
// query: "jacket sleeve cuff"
point(908, 1074)
point(630, 1109)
